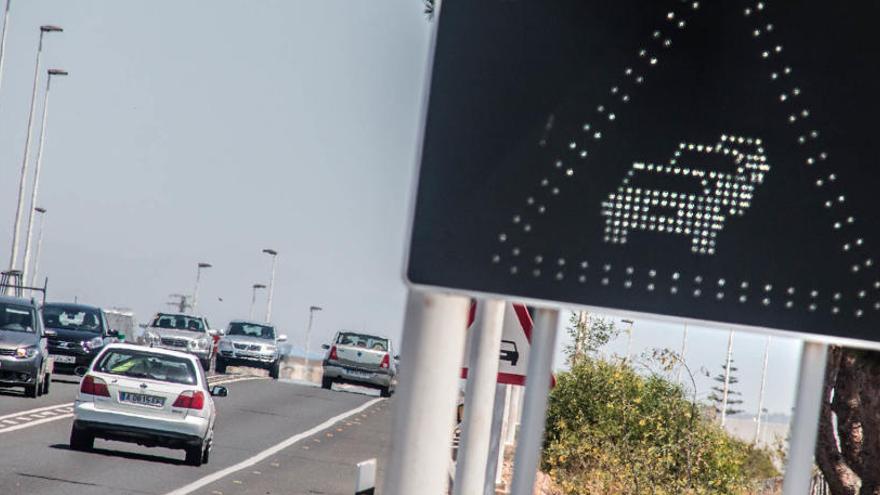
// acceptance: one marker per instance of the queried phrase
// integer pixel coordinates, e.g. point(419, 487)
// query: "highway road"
point(272, 437)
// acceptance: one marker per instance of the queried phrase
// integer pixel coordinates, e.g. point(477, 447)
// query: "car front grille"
point(7, 352)
point(171, 342)
point(246, 347)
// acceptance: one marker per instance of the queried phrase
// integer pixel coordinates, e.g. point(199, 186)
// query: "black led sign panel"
point(708, 160)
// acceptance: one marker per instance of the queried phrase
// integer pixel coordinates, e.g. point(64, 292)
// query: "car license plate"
point(141, 399)
point(64, 359)
point(359, 374)
point(246, 354)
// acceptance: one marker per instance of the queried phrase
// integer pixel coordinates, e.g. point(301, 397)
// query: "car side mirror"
point(80, 371)
point(325, 346)
point(397, 357)
point(113, 333)
point(282, 338)
point(219, 391)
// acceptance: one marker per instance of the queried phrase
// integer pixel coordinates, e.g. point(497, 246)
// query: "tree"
point(734, 397)
point(848, 447)
point(588, 334)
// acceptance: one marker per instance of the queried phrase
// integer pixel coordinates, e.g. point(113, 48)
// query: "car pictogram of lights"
point(751, 166)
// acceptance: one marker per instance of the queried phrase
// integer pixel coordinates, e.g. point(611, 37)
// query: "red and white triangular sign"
point(516, 338)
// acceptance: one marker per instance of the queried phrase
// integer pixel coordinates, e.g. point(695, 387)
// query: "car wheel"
point(220, 365)
point(46, 381)
point(206, 455)
point(194, 455)
point(81, 440)
point(385, 391)
point(206, 364)
point(275, 370)
point(32, 391)
point(327, 383)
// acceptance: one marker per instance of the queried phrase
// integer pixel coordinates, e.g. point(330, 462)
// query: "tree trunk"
point(848, 447)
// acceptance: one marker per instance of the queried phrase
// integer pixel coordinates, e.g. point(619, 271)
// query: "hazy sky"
point(206, 131)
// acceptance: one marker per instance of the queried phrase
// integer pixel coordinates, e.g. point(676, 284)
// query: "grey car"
point(24, 356)
point(252, 344)
point(361, 359)
point(182, 332)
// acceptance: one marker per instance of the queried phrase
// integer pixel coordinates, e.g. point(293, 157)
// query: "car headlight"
point(270, 348)
point(226, 345)
point(94, 343)
point(200, 344)
point(26, 352)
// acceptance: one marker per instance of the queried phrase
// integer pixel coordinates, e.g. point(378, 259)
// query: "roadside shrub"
point(611, 430)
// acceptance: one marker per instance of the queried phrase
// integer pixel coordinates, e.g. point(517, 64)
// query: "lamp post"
point(274, 254)
point(312, 310)
point(3, 37)
point(629, 338)
point(42, 212)
point(13, 255)
point(36, 190)
point(254, 299)
point(195, 303)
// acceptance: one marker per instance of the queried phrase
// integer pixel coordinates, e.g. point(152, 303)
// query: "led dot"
point(768, 288)
point(697, 292)
point(569, 172)
point(765, 301)
point(859, 313)
point(837, 296)
point(597, 135)
point(582, 278)
point(607, 268)
point(667, 43)
point(681, 24)
point(629, 270)
point(789, 304)
point(627, 284)
point(527, 228)
point(813, 307)
point(744, 285)
point(814, 294)
point(721, 282)
point(560, 262)
point(760, 6)
point(514, 270)
point(747, 12)
point(650, 287)
point(743, 298)
point(502, 237)
point(835, 310)
point(530, 200)
point(670, 15)
point(640, 80)
point(778, 49)
point(611, 116)
point(555, 191)
point(559, 276)
point(605, 281)
point(673, 290)
point(496, 258)
point(719, 296)
point(584, 264)
point(624, 98)
point(675, 276)
point(586, 127)
point(600, 108)
point(614, 90)
point(536, 272)
point(515, 251)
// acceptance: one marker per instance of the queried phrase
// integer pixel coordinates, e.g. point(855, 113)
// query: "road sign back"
point(704, 160)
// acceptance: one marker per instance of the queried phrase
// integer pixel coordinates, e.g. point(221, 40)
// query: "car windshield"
point(147, 365)
point(72, 318)
point(361, 340)
point(251, 330)
point(16, 318)
point(179, 322)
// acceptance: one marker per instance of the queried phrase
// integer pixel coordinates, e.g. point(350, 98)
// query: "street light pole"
point(274, 254)
point(13, 255)
point(763, 389)
point(254, 299)
point(42, 212)
point(726, 390)
point(3, 38)
point(312, 310)
point(629, 338)
point(37, 169)
point(195, 303)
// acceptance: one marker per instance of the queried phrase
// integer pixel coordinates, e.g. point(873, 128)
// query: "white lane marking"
point(206, 480)
point(35, 423)
point(10, 422)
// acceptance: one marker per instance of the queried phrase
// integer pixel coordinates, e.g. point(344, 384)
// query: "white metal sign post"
point(476, 430)
point(431, 353)
point(528, 453)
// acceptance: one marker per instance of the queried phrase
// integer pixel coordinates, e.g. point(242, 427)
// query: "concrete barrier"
point(296, 368)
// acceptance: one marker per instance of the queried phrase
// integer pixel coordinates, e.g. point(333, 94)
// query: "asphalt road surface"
point(271, 437)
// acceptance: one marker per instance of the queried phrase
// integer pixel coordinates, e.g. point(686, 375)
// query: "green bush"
point(611, 430)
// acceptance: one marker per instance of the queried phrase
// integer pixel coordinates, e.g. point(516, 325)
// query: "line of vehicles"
point(156, 392)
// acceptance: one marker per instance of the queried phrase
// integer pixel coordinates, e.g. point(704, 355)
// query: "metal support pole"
point(535, 402)
point(253, 302)
point(506, 425)
point(424, 409)
point(271, 289)
point(29, 232)
point(42, 212)
point(3, 38)
point(684, 350)
point(195, 303)
point(513, 414)
point(479, 396)
point(494, 464)
point(726, 389)
point(16, 226)
point(763, 389)
point(805, 424)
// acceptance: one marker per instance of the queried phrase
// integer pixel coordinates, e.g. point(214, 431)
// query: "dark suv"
point(24, 360)
point(76, 334)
